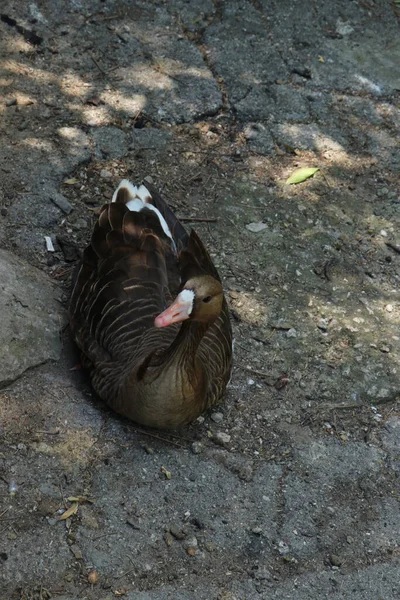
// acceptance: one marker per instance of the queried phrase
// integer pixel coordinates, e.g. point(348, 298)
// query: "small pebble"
point(80, 224)
point(283, 548)
point(197, 447)
point(148, 449)
point(190, 543)
point(257, 530)
point(383, 233)
point(217, 417)
point(389, 307)
point(385, 349)
point(292, 333)
point(335, 560)
point(104, 174)
point(178, 534)
point(76, 551)
point(222, 438)
point(323, 324)
point(210, 546)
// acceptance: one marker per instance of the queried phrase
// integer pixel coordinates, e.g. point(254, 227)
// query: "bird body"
point(156, 361)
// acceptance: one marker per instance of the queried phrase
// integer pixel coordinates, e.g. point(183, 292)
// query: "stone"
point(259, 139)
point(31, 318)
point(217, 417)
point(178, 533)
point(273, 103)
point(222, 438)
point(197, 447)
point(61, 202)
point(150, 138)
point(110, 142)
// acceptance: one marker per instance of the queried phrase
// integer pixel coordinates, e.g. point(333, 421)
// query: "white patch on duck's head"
point(187, 296)
point(141, 198)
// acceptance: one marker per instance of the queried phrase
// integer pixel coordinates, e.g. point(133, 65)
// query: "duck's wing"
point(127, 275)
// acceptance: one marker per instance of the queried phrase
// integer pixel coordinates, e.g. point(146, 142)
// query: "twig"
point(4, 511)
point(109, 17)
point(99, 537)
point(197, 219)
point(97, 65)
point(62, 273)
point(194, 177)
point(394, 247)
point(259, 374)
point(159, 437)
point(124, 574)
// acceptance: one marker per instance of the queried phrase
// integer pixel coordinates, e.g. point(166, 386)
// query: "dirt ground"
point(290, 488)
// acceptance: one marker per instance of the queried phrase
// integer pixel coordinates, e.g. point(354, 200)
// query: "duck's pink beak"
point(179, 310)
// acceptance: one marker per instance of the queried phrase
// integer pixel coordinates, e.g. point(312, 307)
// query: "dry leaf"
point(71, 511)
point(256, 227)
point(302, 174)
point(79, 499)
point(166, 473)
point(71, 181)
point(321, 59)
point(93, 577)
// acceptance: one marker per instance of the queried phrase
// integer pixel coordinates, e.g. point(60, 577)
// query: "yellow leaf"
point(79, 499)
point(71, 511)
point(71, 181)
point(302, 174)
point(321, 59)
point(166, 473)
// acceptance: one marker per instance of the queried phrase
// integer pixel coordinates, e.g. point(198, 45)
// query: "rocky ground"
point(290, 489)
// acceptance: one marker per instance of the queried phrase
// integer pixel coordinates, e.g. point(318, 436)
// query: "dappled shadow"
point(322, 260)
point(137, 89)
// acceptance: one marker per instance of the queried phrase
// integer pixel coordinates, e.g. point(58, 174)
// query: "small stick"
point(97, 64)
point(197, 219)
point(4, 512)
point(158, 437)
point(194, 177)
point(103, 536)
point(394, 247)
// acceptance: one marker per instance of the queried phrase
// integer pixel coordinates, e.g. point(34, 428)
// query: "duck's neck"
point(183, 349)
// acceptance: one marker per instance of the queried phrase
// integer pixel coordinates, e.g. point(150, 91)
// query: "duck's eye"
point(207, 299)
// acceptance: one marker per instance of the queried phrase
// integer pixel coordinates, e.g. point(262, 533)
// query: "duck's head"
point(200, 300)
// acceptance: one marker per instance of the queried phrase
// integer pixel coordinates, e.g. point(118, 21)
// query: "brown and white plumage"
point(156, 365)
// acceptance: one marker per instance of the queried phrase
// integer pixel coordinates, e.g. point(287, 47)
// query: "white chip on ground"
point(49, 244)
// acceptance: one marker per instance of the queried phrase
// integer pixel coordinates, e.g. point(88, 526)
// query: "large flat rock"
point(31, 318)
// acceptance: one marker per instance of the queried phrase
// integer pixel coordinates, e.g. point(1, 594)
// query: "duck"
point(148, 313)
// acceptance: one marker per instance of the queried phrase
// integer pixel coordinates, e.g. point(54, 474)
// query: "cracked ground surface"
point(290, 488)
